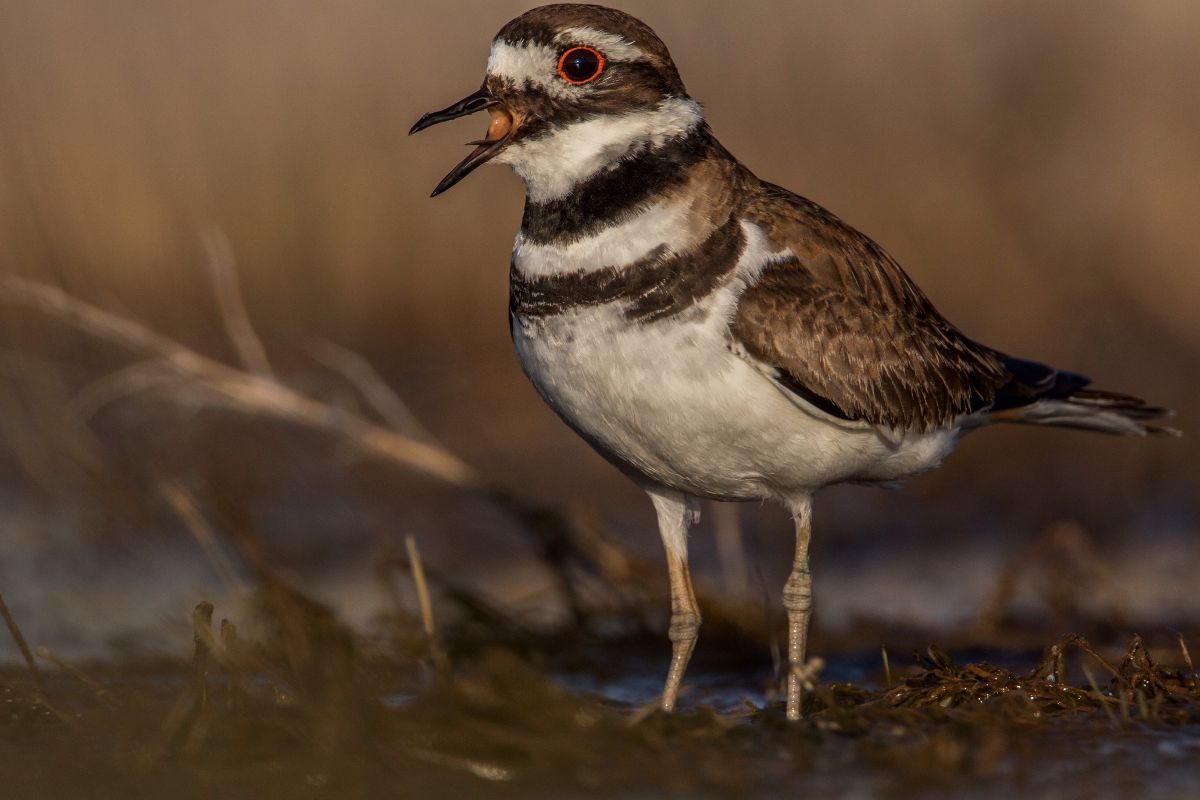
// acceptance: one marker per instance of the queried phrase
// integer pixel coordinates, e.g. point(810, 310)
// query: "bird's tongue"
point(500, 127)
point(502, 124)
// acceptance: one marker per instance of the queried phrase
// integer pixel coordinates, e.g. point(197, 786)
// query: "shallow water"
point(89, 596)
point(501, 729)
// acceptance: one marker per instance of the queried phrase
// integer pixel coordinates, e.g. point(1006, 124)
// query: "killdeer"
point(711, 334)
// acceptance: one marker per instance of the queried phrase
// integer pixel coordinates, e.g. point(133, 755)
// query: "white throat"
point(552, 165)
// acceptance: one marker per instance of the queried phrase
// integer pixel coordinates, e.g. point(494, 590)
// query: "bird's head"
point(571, 89)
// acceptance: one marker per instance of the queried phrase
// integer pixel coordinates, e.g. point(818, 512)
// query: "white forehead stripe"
point(663, 223)
point(526, 63)
point(553, 164)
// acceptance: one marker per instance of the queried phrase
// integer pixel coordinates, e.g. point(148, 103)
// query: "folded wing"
point(838, 323)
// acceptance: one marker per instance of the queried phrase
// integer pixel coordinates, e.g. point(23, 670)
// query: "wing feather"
point(841, 321)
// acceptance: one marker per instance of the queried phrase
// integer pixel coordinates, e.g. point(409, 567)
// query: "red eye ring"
point(585, 57)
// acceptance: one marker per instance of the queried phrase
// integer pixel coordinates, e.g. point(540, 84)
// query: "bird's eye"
point(580, 65)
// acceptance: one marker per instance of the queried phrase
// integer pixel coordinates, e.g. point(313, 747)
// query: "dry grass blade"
point(222, 269)
point(39, 693)
point(186, 722)
point(477, 608)
point(1100, 696)
point(19, 638)
point(184, 505)
point(102, 695)
point(241, 391)
point(1187, 659)
point(137, 378)
point(436, 651)
point(373, 388)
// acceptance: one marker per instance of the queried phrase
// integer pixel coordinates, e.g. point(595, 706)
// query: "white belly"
point(670, 402)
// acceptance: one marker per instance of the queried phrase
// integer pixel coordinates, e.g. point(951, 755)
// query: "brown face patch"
point(544, 24)
point(616, 85)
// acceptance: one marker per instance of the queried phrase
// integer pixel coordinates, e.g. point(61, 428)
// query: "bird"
point(711, 334)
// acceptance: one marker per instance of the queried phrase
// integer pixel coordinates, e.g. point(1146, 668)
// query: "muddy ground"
point(306, 707)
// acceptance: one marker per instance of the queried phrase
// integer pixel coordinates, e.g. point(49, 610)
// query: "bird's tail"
point(1040, 395)
point(1094, 410)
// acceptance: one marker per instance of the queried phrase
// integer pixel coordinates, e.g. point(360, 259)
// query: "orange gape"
point(502, 124)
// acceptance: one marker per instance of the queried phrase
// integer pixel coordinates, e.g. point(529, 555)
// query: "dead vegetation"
point(310, 705)
point(286, 698)
point(307, 707)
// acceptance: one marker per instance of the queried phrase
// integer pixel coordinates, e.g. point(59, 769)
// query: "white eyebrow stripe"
point(614, 47)
point(528, 62)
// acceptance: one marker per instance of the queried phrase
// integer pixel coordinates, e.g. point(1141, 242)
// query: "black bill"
point(497, 135)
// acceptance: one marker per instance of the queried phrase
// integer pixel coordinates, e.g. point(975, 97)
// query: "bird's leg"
point(684, 630)
point(675, 515)
point(797, 601)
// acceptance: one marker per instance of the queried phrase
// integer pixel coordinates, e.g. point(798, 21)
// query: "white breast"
point(673, 402)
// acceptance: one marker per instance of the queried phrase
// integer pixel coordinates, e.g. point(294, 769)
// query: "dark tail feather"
point(1041, 395)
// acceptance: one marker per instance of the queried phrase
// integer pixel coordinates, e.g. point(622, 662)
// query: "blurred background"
point(1034, 166)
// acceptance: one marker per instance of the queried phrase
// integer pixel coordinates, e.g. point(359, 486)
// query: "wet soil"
point(315, 713)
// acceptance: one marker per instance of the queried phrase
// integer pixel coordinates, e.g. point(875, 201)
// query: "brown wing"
point(845, 327)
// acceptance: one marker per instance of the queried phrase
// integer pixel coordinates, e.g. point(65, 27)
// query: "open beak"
point(498, 133)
